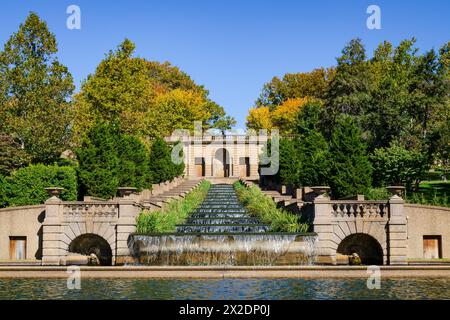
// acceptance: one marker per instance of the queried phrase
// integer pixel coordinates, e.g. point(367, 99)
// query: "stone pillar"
point(397, 232)
point(126, 225)
point(323, 226)
point(52, 250)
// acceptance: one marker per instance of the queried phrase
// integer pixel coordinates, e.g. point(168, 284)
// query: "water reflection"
point(224, 289)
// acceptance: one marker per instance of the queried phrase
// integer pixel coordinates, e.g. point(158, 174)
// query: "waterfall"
point(221, 232)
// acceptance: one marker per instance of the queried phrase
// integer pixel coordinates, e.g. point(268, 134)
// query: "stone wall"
point(427, 221)
point(22, 222)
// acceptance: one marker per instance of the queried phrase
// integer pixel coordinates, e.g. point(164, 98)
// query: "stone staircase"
point(159, 198)
point(221, 212)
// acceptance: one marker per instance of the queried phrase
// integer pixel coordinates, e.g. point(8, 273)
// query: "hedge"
point(26, 186)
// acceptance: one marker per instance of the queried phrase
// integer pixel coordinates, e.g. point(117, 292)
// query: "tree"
point(99, 163)
point(397, 166)
point(148, 98)
point(350, 169)
point(283, 117)
point(348, 92)
point(134, 170)
point(313, 150)
point(295, 85)
point(35, 90)
point(12, 156)
point(161, 166)
point(3, 192)
point(289, 163)
point(259, 118)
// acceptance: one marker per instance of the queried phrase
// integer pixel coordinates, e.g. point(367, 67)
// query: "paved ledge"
point(214, 272)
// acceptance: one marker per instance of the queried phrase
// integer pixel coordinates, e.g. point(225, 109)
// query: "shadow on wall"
point(40, 234)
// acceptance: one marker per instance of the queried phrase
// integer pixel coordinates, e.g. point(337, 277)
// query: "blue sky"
point(231, 47)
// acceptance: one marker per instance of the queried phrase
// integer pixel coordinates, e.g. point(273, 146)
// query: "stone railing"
point(351, 208)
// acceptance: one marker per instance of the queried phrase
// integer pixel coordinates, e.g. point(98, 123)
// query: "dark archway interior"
point(92, 243)
point(367, 247)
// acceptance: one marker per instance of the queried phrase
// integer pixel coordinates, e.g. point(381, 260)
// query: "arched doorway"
point(222, 163)
point(367, 247)
point(87, 244)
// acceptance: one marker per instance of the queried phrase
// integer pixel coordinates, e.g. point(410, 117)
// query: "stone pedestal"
point(52, 251)
point(397, 232)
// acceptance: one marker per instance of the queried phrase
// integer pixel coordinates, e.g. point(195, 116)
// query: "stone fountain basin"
point(224, 249)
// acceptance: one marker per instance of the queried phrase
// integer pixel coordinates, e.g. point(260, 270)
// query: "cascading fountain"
point(221, 232)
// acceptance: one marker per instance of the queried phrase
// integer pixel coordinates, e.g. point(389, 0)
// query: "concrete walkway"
point(217, 272)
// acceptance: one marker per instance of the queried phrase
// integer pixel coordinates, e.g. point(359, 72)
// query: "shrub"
point(162, 167)
point(397, 165)
point(26, 186)
point(176, 212)
point(265, 209)
point(134, 160)
point(99, 161)
point(350, 169)
point(377, 194)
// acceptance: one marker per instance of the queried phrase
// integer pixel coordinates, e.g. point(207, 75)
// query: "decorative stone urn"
point(320, 190)
point(54, 191)
point(125, 192)
point(396, 190)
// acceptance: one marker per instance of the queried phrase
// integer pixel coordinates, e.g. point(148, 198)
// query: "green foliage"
point(134, 160)
point(149, 99)
point(3, 192)
point(176, 212)
point(26, 186)
point(377, 194)
point(34, 92)
point(289, 164)
point(350, 169)
point(265, 209)
point(397, 166)
point(12, 156)
point(99, 163)
point(162, 168)
point(109, 159)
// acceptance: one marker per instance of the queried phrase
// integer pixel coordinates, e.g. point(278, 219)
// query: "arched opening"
point(87, 244)
point(367, 247)
point(222, 163)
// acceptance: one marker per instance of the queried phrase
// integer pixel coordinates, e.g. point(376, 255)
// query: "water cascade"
point(221, 232)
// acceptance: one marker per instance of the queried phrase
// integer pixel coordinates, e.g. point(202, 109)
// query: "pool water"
point(224, 289)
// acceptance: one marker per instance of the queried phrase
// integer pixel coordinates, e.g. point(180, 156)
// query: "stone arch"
point(89, 243)
point(222, 163)
point(365, 245)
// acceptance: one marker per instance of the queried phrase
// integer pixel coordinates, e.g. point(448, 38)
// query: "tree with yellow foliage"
point(259, 118)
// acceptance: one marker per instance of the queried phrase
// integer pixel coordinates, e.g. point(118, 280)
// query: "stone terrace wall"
point(427, 221)
point(23, 222)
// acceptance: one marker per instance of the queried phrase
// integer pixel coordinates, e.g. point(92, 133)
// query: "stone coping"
point(415, 205)
point(221, 272)
point(22, 208)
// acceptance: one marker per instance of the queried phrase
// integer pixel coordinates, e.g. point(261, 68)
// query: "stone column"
point(323, 226)
point(397, 232)
point(52, 250)
point(126, 225)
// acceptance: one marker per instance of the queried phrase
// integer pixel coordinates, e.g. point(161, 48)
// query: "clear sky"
point(232, 47)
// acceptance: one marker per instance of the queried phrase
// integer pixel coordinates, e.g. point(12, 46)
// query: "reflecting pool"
point(224, 289)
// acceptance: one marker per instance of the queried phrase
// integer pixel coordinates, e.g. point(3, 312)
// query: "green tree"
point(12, 156)
point(397, 166)
point(99, 163)
point(161, 166)
point(349, 91)
point(350, 169)
point(3, 192)
point(134, 170)
point(149, 99)
point(35, 89)
point(289, 164)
